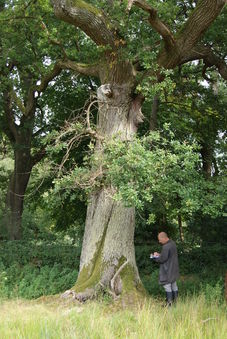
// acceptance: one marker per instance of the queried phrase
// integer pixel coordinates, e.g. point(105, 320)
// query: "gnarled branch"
point(209, 57)
point(199, 21)
point(18, 102)
point(87, 17)
point(186, 46)
point(155, 22)
point(49, 77)
point(85, 69)
point(90, 70)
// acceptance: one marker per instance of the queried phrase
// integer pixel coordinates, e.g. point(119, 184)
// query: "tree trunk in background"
point(18, 184)
point(180, 227)
point(207, 157)
point(154, 111)
point(109, 231)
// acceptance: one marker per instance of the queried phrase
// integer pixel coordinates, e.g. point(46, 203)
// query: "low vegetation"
point(31, 269)
point(190, 318)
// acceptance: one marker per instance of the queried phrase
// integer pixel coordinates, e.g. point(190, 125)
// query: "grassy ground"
point(190, 318)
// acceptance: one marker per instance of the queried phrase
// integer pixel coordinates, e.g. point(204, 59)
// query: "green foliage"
point(151, 167)
point(213, 293)
point(30, 282)
point(6, 168)
point(150, 283)
point(149, 88)
point(202, 259)
point(157, 173)
point(39, 253)
point(196, 109)
point(144, 263)
point(30, 270)
point(208, 229)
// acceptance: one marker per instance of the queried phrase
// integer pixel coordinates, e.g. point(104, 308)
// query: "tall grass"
point(190, 318)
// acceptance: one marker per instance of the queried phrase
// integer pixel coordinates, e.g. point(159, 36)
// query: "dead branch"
point(88, 114)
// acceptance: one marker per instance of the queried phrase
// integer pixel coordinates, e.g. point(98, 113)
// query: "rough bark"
point(185, 45)
point(199, 21)
point(109, 231)
point(155, 22)
point(23, 164)
point(108, 243)
point(19, 180)
point(209, 58)
point(85, 16)
point(15, 196)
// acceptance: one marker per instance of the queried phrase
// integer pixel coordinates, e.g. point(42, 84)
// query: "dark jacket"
point(168, 260)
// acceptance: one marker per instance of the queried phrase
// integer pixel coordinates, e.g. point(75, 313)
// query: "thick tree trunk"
point(108, 243)
point(17, 187)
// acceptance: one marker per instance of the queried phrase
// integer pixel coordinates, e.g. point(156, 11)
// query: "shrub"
point(39, 253)
point(30, 282)
point(213, 293)
point(30, 270)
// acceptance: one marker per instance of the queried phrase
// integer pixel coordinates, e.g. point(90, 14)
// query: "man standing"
point(169, 267)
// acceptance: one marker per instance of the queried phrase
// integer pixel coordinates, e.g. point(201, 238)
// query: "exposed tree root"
point(113, 288)
point(88, 294)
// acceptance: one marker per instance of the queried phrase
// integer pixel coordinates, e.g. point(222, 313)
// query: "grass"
point(190, 318)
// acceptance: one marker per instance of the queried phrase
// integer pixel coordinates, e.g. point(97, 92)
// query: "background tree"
point(28, 65)
point(66, 212)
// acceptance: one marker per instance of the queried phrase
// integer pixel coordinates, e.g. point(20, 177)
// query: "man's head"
point(163, 238)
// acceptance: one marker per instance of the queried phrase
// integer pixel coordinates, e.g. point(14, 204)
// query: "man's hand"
point(156, 254)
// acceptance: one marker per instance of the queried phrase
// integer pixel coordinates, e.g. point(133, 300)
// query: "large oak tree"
point(108, 257)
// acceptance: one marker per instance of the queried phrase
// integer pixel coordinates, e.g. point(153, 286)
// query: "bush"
point(144, 263)
point(39, 253)
point(151, 283)
point(30, 270)
point(30, 282)
point(203, 258)
point(213, 293)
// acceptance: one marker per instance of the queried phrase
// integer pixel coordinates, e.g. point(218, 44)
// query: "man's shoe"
point(169, 299)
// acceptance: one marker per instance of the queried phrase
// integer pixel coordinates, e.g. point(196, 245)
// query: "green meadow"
point(192, 317)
